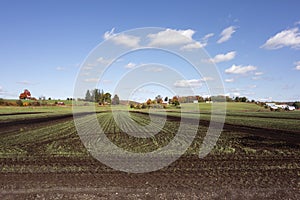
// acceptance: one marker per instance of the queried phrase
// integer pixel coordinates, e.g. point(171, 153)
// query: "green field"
point(18, 141)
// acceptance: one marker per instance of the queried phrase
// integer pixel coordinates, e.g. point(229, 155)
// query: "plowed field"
point(45, 158)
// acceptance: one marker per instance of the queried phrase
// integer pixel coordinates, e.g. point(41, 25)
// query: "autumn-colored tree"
point(148, 102)
point(175, 101)
point(25, 95)
point(159, 99)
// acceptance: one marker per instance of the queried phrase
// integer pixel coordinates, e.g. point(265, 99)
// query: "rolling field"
point(256, 156)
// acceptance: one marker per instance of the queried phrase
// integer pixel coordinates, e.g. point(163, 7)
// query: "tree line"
point(101, 97)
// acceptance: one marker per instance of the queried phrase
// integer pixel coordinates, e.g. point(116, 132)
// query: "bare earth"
point(232, 176)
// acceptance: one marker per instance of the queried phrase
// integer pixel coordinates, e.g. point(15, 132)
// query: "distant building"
point(270, 104)
point(291, 107)
point(282, 106)
point(60, 103)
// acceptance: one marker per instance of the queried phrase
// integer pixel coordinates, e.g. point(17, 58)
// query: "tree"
point(159, 99)
point(88, 96)
point(175, 101)
point(182, 99)
point(19, 103)
point(200, 99)
point(1, 101)
point(166, 99)
point(207, 99)
point(25, 95)
point(96, 96)
point(149, 102)
point(116, 100)
point(43, 98)
point(107, 98)
point(244, 99)
point(296, 104)
point(228, 99)
point(240, 99)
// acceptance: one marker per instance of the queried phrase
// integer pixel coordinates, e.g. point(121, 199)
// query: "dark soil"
point(224, 176)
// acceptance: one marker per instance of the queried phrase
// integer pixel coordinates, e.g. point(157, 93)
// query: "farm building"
point(282, 106)
point(270, 104)
point(291, 108)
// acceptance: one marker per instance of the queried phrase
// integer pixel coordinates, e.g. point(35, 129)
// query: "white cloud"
point(238, 92)
point(103, 61)
point(297, 23)
point(235, 94)
point(188, 83)
point(85, 74)
point(285, 38)
point(226, 34)
point(25, 82)
point(154, 69)
point(252, 86)
point(194, 83)
point(60, 68)
point(297, 67)
point(106, 81)
point(195, 45)
point(146, 91)
point(239, 69)
point(122, 39)
point(207, 36)
point(2, 92)
point(87, 68)
point(223, 57)
point(171, 37)
point(204, 79)
point(130, 65)
point(256, 77)
point(92, 80)
point(109, 34)
point(258, 73)
point(229, 80)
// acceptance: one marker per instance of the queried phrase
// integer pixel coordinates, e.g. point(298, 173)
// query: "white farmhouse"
point(270, 104)
point(282, 106)
point(291, 107)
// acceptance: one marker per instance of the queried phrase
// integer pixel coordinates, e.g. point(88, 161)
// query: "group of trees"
point(177, 100)
point(296, 104)
point(101, 97)
point(241, 99)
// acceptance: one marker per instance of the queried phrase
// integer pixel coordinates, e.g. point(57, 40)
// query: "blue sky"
point(255, 44)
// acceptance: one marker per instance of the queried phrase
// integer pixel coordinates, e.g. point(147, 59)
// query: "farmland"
point(256, 156)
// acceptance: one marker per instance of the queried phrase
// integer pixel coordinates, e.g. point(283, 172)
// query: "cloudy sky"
point(255, 45)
